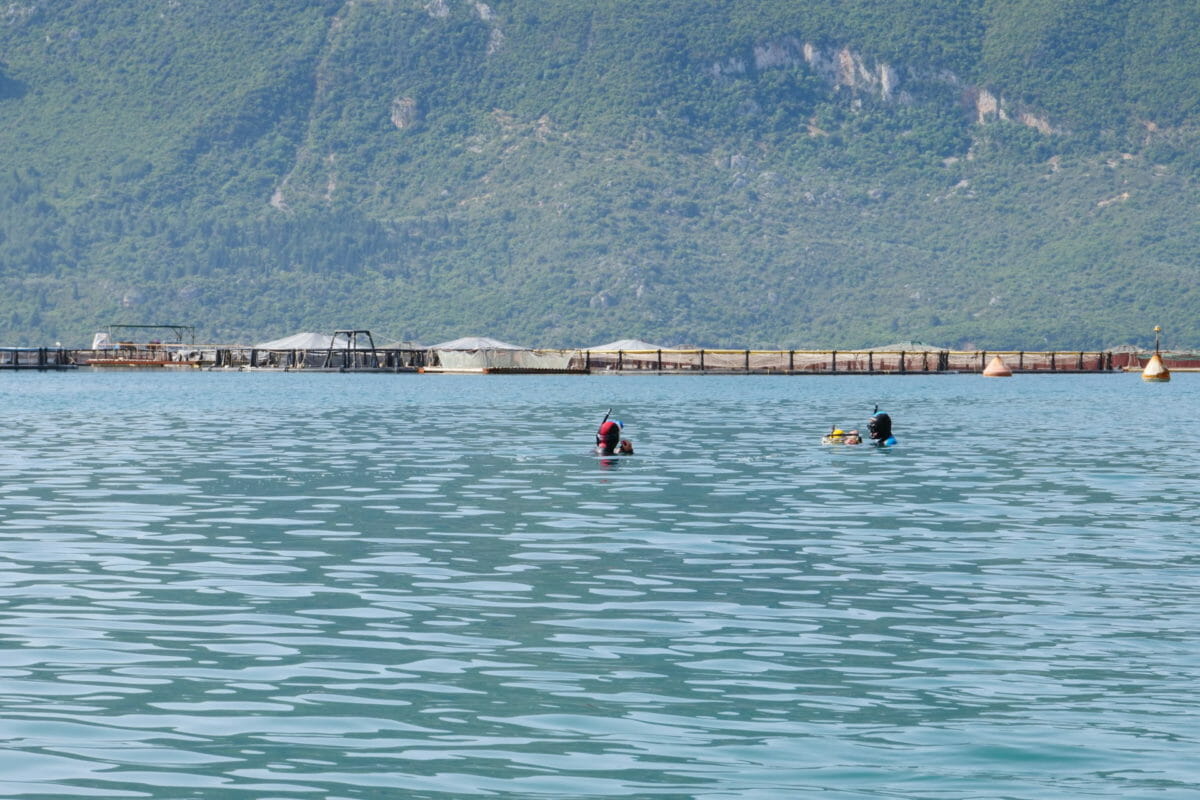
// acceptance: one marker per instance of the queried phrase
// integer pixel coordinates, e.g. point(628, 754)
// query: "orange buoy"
point(996, 368)
point(1156, 370)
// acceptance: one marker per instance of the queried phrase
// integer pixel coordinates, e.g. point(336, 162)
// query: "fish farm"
point(356, 351)
point(658, 361)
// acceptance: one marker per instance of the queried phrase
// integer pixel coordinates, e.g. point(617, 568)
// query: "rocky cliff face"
point(844, 69)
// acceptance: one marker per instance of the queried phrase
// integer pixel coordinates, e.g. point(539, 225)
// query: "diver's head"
point(609, 435)
point(880, 426)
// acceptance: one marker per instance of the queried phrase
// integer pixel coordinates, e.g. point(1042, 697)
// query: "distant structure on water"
point(355, 350)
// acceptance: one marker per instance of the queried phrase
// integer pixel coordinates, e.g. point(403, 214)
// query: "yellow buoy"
point(1156, 370)
point(996, 368)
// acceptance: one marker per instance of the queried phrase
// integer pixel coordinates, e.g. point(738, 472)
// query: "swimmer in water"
point(839, 436)
point(879, 428)
point(835, 436)
point(609, 441)
point(608, 437)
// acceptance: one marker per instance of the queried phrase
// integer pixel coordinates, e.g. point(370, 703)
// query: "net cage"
point(313, 359)
point(835, 361)
point(504, 359)
point(339, 356)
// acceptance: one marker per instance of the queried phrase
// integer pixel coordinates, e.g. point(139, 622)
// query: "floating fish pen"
point(239, 358)
point(347, 351)
point(355, 357)
point(839, 362)
point(505, 360)
point(1176, 361)
point(334, 359)
point(37, 358)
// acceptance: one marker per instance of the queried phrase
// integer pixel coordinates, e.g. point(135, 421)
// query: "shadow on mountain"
point(10, 88)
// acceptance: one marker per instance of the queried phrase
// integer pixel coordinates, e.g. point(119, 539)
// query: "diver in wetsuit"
point(879, 427)
point(609, 441)
point(608, 437)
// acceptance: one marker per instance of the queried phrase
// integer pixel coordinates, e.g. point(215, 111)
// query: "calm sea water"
point(344, 586)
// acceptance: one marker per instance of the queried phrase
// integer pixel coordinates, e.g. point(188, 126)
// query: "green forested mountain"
point(832, 173)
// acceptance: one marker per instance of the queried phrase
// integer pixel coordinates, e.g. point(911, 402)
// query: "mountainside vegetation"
point(718, 173)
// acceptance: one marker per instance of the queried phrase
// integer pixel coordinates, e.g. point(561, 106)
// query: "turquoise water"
point(266, 585)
